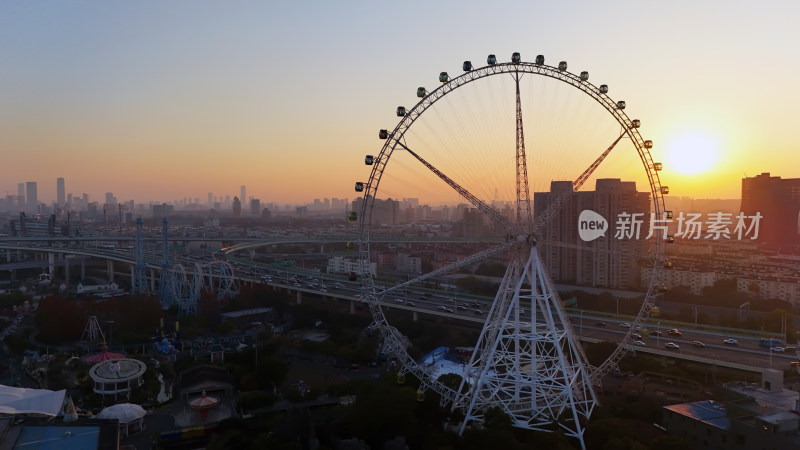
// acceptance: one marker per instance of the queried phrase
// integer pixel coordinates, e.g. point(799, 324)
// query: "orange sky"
point(166, 101)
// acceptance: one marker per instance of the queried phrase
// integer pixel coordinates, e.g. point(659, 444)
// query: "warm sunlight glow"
point(691, 153)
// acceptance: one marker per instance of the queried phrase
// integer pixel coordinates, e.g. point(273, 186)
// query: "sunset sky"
point(165, 100)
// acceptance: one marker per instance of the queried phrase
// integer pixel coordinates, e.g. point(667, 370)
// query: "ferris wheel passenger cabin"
point(401, 111)
point(467, 66)
point(491, 60)
point(443, 77)
point(421, 92)
point(539, 60)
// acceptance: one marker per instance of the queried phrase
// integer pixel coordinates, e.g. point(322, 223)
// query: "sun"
point(692, 152)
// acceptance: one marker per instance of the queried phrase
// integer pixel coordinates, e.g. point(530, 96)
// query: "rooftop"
point(707, 411)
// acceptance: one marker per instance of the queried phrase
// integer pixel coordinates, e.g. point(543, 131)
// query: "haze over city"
point(161, 101)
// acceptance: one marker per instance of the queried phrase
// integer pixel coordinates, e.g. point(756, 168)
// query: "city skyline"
point(256, 206)
point(157, 102)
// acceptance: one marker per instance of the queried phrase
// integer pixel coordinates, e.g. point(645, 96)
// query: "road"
point(747, 352)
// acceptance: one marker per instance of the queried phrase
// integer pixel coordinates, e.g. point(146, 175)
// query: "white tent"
point(16, 401)
point(129, 415)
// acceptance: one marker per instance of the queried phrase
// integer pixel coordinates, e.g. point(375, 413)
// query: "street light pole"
point(658, 336)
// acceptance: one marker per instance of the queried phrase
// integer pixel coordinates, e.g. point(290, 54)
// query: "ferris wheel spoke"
point(478, 203)
point(555, 207)
point(480, 256)
point(523, 190)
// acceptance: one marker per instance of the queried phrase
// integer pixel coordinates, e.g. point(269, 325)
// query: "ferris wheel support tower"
point(534, 371)
point(139, 284)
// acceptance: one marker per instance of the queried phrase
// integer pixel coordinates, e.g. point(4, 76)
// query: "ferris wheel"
point(482, 141)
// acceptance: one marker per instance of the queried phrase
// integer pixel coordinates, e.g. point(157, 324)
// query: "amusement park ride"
point(530, 366)
point(183, 286)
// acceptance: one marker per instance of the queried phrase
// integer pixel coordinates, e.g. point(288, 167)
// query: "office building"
point(61, 192)
point(607, 261)
point(778, 201)
point(237, 206)
point(31, 197)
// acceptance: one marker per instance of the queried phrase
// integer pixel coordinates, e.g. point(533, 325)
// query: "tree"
point(669, 443)
point(601, 431)
point(496, 419)
point(451, 380)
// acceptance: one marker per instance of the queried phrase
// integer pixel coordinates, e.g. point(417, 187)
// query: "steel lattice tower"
point(139, 284)
point(165, 291)
point(532, 368)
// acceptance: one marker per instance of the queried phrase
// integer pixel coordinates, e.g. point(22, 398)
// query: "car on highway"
point(698, 344)
point(672, 345)
point(398, 300)
point(731, 341)
point(477, 311)
point(674, 332)
point(656, 333)
point(625, 325)
point(776, 349)
point(639, 343)
point(795, 363)
point(600, 324)
point(411, 304)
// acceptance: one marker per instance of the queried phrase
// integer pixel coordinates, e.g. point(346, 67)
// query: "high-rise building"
point(237, 206)
point(255, 207)
point(31, 197)
point(20, 194)
point(607, 261)
point(61, 192)
point(163, 210)
point(384, 212)
point(210, 199)
point(243, 197)
point(778, 201)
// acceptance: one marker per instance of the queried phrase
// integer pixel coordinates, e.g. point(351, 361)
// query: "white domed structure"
point(129, 415)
